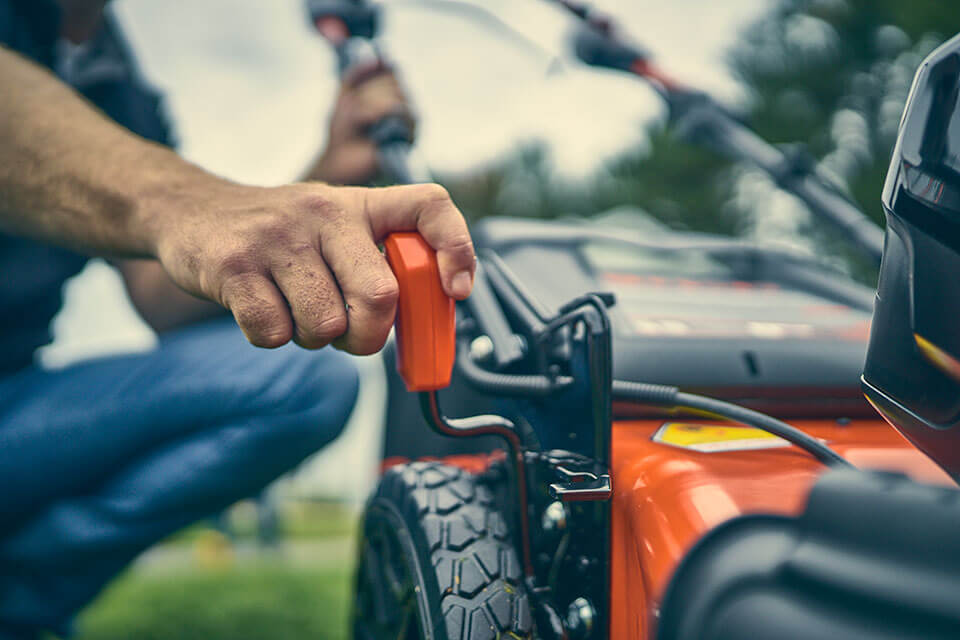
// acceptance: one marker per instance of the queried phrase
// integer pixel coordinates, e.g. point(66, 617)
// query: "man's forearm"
point(295, 262)
point(70, 176)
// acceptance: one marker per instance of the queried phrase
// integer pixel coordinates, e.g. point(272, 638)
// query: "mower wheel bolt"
point(580, 620)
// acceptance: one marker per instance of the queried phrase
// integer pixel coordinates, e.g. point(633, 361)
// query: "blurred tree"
point(833, 74)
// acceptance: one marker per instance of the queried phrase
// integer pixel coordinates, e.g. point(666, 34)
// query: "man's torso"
point(104, 71)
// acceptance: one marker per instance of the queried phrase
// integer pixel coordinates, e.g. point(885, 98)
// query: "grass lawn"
point(253, 602)
point(299, 520)
point(197, 586)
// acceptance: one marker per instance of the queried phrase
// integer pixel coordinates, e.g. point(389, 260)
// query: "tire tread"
point(468, 542)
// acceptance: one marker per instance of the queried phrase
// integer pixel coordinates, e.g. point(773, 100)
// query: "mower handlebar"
point(599, 50)
point(350, 26)
point(701, 119)
point(357, 19)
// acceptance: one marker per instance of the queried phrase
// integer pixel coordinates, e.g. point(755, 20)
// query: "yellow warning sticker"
point(711, 438)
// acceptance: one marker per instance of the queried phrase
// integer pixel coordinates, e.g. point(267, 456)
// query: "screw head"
point(481, 348)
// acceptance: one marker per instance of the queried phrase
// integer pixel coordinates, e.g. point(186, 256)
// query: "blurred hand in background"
point(367, 95)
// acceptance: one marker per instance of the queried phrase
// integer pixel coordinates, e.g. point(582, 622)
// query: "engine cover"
point(765, 327)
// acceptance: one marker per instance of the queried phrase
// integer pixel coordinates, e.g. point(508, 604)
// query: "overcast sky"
point(250, 84)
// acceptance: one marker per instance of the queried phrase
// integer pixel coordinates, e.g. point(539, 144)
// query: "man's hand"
point(301, 262)
point(297, 262)
point(366, 96)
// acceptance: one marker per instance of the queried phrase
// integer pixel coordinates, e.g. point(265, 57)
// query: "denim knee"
point(312, 400)
point(299, 396)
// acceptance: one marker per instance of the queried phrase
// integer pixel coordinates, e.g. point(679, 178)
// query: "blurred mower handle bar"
point(350, 26)
point(701, 120)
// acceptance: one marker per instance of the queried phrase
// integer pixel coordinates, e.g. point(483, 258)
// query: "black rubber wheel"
point(437, 562)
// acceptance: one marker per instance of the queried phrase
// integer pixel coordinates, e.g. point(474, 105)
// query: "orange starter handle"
point(426, 321)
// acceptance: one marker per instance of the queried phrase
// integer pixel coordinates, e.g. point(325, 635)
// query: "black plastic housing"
point(754, 325)
point(912, 370)
point(713, 315)
point(874, 556)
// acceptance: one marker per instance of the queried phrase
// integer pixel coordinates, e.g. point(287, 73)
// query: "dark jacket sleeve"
point(30, 28)
point(106, 73)
point(104, 70)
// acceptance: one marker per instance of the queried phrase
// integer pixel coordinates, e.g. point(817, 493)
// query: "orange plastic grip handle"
point(426, 321)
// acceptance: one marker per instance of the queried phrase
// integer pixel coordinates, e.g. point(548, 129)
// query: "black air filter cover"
point(873, 557)
point(912, 371)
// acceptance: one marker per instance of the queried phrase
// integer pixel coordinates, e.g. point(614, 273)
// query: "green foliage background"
point(272, 601)
point(833, 74)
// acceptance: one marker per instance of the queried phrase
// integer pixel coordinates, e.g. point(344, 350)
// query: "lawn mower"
point(626, 471)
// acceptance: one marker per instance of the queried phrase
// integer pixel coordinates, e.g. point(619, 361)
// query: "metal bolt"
point(554, 517)
point(481, 348)
point(580, 619)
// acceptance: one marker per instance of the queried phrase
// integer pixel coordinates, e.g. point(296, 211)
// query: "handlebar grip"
point(426, 320)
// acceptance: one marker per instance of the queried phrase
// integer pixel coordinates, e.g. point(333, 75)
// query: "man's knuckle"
point(460, 245)
point(300, 250)
point(460, 251)
point(262, 325)
point(235, 264)
point(330, 327)
point(310, 341)
point(270, 340)
point(321, 206)
point(434, 194)
point(382, 295)
point(233, 289)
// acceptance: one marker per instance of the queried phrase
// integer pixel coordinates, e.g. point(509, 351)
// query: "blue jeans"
point(102, 459)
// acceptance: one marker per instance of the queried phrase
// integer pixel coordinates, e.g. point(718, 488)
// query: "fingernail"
point(461, 284)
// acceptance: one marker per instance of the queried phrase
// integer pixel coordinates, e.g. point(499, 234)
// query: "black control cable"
point(673, 398)
point(644, 393)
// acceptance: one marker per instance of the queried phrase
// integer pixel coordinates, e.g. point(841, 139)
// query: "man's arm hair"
point(69, 175)
point(298, 262)
point(349, 158)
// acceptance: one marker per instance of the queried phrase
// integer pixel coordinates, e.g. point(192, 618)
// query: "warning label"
point(711, 438)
